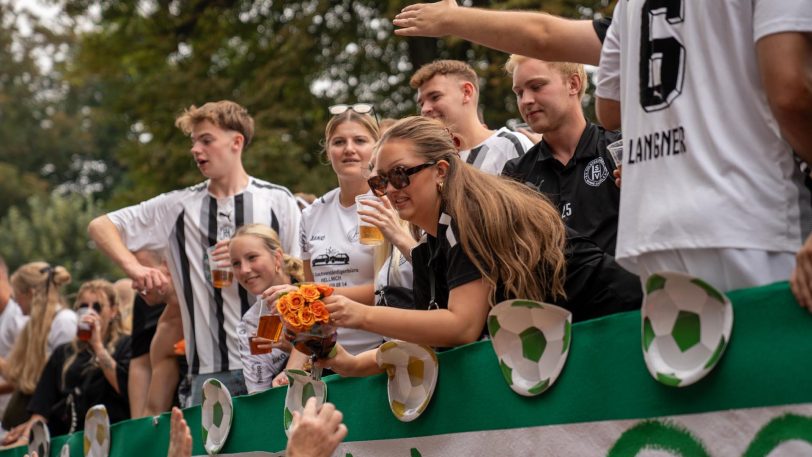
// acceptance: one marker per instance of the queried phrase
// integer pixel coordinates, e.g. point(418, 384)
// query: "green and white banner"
point(756, 402)
point(775, 431)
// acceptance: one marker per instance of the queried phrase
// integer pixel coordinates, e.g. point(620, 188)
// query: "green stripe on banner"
point(605, 378)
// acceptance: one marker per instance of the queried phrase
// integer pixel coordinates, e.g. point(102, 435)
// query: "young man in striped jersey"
point(448, 90)
point(185, 222)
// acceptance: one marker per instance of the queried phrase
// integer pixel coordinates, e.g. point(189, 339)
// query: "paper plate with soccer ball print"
point(97, 432)
point(300, 388)
point(215, 415)
point(412, 370)
point(532, 341)
point(686, 327)
point(39, 439)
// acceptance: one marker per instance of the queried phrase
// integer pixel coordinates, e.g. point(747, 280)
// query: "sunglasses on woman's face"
point(95, 305)
point(398, 177)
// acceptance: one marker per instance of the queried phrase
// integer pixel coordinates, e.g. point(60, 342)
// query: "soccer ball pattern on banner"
point(686, 326)
point(215, 416)
point(300, 388)
point(412, 375)
point(97, 432)
point(532, 341)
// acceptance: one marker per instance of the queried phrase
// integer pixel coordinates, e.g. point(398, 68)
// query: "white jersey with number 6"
point(704, 163)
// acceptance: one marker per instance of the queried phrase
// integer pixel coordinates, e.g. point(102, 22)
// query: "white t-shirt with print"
point(329, 241)
point(491, 155)
point(704, 162)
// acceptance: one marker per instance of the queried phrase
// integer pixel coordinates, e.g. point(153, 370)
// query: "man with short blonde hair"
point(186, 223)
point(566, 69)
point(448, 90)
point(571, 164)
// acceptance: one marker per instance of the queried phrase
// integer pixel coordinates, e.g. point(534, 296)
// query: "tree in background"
point(53, 228)
point(285, 61)
point(50, 139)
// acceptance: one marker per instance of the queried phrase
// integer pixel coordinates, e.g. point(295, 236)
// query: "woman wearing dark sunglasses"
point(81, 374)
point(485, 239)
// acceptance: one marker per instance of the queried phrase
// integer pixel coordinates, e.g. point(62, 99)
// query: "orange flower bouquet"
point(307, 321)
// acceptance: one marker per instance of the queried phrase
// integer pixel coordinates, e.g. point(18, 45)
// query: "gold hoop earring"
point(440, 187)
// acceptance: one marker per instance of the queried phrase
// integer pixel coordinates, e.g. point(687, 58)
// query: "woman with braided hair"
point(37, 289)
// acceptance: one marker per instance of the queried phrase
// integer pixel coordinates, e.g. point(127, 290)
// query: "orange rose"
point(292, 319)
point(306, 317)
point(309, 292)
point(324, 290)
point(283, 304)
point(297, 301)
point(320, 311)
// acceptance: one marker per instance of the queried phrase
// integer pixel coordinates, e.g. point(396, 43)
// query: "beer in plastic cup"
point(367, 233)
point(221, 273)
point(269, 327)
point(84, 330)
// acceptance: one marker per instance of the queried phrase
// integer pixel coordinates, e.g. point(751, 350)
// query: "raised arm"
point(785, 63)
point(106, 236)
point(532, 34)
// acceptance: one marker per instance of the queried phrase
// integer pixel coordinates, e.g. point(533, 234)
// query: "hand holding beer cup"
point(269, 329)
point(88, 328)
point(369, 233)
point(220, 264)
point(616, 152)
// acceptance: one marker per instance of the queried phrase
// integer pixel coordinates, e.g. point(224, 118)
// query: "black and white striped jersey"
point(185, 222)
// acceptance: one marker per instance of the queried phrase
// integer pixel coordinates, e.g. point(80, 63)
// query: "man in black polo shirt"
point(571, 164)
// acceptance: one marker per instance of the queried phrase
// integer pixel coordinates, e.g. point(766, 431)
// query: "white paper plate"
point(39, 439)
point(300, 388)
point(97, 432)
point(215, 415)
point(686, 326)
point(412, 370)
point(532, 341)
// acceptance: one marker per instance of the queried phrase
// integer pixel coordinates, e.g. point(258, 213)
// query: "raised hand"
point(180, 437)
point(424, 19)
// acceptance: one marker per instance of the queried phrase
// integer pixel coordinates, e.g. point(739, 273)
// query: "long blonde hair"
point(106, 292)
point(291, 266)
point(381, 252)
point(513, 235)
point(30, 353)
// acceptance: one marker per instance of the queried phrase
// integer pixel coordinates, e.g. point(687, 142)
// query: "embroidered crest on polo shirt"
point(596, 172)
